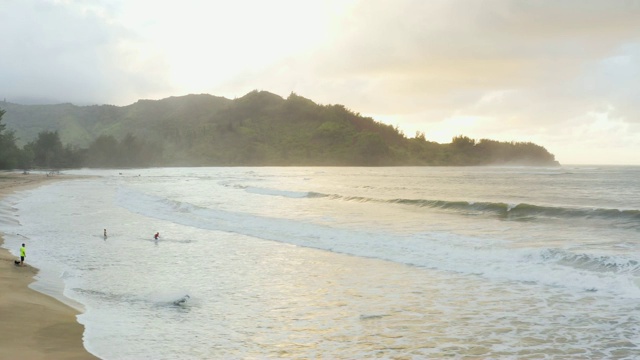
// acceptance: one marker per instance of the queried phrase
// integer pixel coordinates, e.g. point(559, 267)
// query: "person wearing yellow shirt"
point(23, 254)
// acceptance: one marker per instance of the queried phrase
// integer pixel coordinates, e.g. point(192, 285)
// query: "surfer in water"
point(105, 233)
point(182, 300)
point(156, 236)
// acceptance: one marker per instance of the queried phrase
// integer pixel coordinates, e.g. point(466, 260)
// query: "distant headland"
point(258, 129)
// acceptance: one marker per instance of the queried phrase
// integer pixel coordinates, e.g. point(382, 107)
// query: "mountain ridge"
point(259, 128)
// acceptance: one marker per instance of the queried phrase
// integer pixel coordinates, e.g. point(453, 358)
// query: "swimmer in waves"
point(182, 300)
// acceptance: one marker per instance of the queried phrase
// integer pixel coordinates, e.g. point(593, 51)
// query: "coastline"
point(35, 326)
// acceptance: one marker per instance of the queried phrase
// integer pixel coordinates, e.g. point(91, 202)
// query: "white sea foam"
point(441, 251)
point(275, 192)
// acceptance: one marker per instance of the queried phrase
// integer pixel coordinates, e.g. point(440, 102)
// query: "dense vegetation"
point(259, 128)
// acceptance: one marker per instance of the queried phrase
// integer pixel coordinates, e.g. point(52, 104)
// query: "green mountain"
point(259, 128)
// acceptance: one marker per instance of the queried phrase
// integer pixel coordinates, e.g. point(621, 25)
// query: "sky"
point(562, 74)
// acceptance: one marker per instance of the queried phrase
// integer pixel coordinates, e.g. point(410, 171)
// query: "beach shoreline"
point(35, 325)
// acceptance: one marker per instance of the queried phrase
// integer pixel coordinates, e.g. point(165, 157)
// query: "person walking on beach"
point(23, 254)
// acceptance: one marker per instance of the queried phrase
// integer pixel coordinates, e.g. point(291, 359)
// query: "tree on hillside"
point(370, 149)
point(2, 126)
point(9, 152)
point(107, 151)
point(48, 151)
point(103, 152)
point(137, 152)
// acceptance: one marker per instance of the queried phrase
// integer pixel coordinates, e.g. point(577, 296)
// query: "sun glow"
point(205, 44)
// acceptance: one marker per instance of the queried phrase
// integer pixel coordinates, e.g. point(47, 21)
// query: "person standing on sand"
point(23, 254)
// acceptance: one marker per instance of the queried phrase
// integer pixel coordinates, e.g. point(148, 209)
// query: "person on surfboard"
point(156, 236)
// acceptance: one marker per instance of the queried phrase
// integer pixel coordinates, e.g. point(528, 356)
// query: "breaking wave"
point(522, 211)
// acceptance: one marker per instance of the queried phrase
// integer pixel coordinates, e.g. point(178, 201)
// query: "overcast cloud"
point(563, 74)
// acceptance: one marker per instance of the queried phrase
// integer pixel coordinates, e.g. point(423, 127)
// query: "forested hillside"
point(259, 128)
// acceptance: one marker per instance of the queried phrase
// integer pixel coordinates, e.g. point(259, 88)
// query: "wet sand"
point(34, 326)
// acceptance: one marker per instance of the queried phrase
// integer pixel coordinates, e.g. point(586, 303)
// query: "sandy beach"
point(34, 325)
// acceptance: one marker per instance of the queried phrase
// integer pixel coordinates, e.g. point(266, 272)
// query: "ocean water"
point(344, 263)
